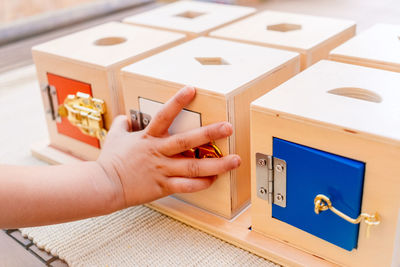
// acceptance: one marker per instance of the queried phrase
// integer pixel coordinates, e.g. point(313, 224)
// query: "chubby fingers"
point(187, 185)
point(188, 167)
point(160, 123)
point(178, 143)
point(120, 125)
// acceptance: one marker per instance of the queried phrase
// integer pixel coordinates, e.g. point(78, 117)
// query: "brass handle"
point(323, 203)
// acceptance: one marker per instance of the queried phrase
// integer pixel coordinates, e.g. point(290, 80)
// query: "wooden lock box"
point(86, 64)
point(227, 76)
point(325, 147)
point(193, 18)
point(312, 37)
point(377, 47)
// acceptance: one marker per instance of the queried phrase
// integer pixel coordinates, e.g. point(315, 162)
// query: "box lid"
point(380, 43)
point(330, 94)
point(190, 16)
point(211, 64)
point(293, 31)
point(108, 44)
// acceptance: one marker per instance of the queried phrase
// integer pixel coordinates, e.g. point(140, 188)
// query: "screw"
point(279, 168)
point(279, 197)
point(145, 121)
point(262, 162)
point(263, 191)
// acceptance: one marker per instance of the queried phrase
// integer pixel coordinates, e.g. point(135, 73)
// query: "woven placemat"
point(137, 236)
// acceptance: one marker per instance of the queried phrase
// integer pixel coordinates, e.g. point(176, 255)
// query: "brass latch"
point(209, 150)
point(86, 113)
point(322, 203)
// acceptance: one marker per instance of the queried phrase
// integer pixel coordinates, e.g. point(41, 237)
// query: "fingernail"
point(189, 90)
point(227, 128)
point(236, 161)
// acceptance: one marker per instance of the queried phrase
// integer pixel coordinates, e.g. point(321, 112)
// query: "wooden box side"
point(242, 124)
point(100, 84)
point(213, 108)
point(380, 186)
point(364, 62)
point(322, 51)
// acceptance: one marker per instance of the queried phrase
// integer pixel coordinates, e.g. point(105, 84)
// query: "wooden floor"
point(13, 254)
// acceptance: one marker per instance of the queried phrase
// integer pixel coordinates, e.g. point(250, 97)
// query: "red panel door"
point(65, 87)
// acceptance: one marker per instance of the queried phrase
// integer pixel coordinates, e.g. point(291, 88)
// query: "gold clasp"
point(323, 203)
point(86, 113)
point(209, 150)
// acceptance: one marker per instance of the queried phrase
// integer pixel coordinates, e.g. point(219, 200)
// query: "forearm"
point(41, 195)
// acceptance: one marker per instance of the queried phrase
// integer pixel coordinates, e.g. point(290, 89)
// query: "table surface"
point(21, 111)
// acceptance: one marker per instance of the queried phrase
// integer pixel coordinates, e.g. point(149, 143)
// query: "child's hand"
point(141, 165)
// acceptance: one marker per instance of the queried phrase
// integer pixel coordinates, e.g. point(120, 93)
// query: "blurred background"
point(24, 23)
point(18, 9)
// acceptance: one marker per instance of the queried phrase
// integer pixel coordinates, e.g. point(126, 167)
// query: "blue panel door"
point(311, 172)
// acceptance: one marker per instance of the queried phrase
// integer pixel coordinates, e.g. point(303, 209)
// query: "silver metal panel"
point(185, 121)
point(280, 182)
point(54, 103)
point(262, 172)
point(271, 179)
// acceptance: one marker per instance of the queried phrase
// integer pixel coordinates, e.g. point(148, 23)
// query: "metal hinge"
point(271, 179)
point(50, 102)
point(139, 120)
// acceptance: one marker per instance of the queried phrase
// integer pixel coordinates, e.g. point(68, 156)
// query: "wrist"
point(114, 194)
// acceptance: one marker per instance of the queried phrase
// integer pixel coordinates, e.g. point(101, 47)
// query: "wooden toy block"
point(377, 47)
point(312, 37)
point(193, 18)
point(88, 62)
point(228, 76)
point(330, 135)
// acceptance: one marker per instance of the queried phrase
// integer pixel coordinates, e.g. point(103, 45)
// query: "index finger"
point(160, 123)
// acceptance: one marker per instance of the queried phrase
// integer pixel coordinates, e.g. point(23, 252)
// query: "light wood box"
point(313, 37)
point(193, 18)
point(377, 47)
point(225, 89)
point(95, 57)
point(302, 111)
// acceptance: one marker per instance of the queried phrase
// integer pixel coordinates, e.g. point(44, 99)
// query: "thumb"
point(120, 125)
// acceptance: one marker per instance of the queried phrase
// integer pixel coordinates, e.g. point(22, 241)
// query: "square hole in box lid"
point(190, 16)
point(212, 64)
point(284, 29)
point(352, 98)
point(109, 43)
point(380, 44)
